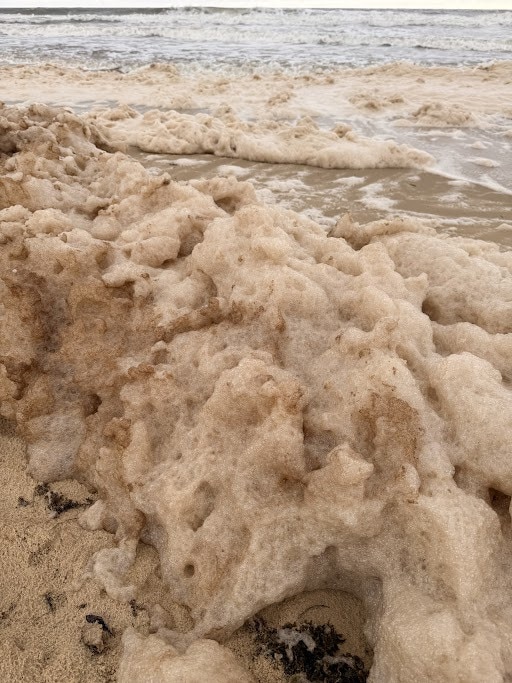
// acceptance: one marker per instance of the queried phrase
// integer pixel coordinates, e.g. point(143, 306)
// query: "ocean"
point(274, 38)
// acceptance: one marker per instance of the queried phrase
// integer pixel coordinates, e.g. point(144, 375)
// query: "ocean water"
point(291, 39)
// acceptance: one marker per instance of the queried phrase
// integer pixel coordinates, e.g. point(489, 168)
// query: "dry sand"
point(49, 613)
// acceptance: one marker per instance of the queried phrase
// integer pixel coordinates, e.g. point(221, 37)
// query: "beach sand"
point(50, 614)
point(364, 480)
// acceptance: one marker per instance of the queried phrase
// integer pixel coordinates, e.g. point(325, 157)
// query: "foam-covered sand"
point(276, 409)
point(451, 206)
point(396, 115)
point(421, 95)
point(49, 615)
point(269, 141)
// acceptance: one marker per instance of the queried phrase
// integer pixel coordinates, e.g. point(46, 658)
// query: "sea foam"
point(273, 407)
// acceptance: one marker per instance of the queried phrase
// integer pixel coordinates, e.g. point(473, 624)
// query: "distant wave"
point(300, 38)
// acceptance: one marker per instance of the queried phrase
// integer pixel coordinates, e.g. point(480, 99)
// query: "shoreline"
point(395, 115)
point(455, 207)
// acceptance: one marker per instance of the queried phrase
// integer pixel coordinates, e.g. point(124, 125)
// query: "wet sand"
point(451, 206)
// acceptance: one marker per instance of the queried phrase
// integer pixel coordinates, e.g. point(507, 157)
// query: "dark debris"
point(56, 502)
point(49, 598)
point(95, 619)
point(5, 614)
point(135, 607)
point(310, 651)
point(96, 634)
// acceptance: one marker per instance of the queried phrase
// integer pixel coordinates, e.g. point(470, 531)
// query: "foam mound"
point(274, 408)
point(268, 141)
point(440, 114)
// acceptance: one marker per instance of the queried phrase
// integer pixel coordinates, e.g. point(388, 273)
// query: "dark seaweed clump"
point(56, 502)
point(310, 651)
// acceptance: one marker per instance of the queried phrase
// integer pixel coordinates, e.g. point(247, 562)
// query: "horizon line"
point(474, 5)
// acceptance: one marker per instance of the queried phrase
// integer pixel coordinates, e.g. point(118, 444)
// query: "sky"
point(369, 4)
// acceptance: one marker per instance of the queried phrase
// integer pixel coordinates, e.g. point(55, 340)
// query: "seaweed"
point(135, 608)
point(95, 619)
point(309, 651)
point(58, 503)
point(5, 614)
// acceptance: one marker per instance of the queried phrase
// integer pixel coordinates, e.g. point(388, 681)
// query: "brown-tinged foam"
point(275, 409)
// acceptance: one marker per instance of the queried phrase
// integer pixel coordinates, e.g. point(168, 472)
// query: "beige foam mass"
point(273, 408)
point(391, 90)
point(270, 141)
point(441, 114)
point(151, 660)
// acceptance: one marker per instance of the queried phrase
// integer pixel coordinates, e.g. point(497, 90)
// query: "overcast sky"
point(407, 4)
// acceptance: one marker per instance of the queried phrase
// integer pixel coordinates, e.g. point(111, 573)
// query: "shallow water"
point(454, 207)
